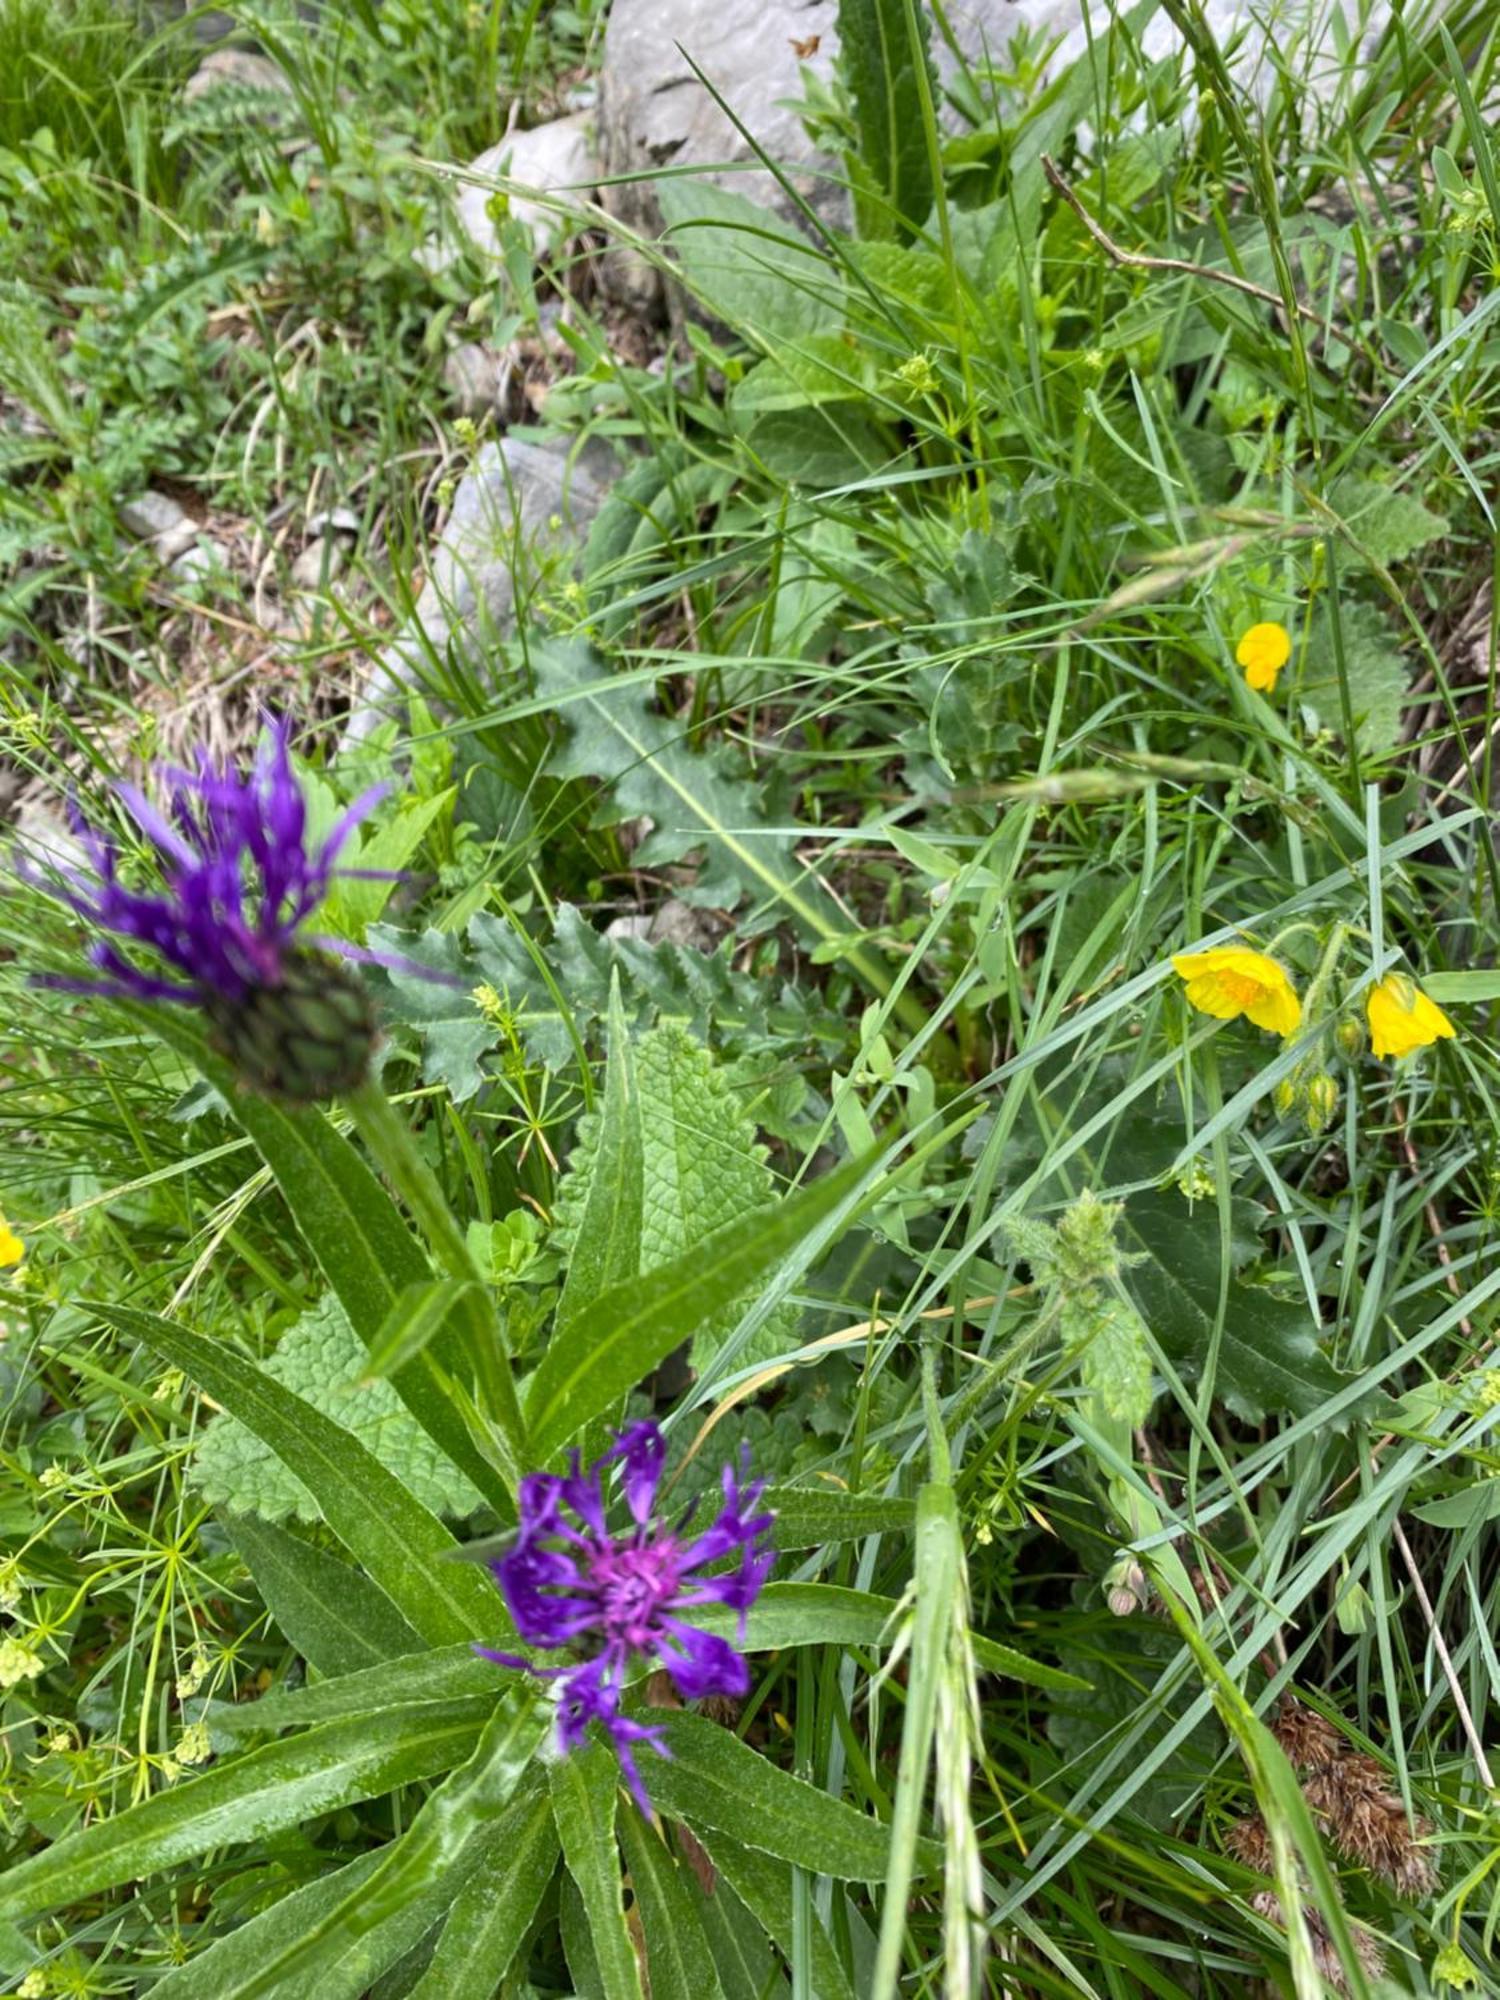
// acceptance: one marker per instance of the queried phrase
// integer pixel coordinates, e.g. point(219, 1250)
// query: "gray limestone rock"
point(157, 518)
point(473, 377)
point(656, 113)
point(555, 159)
point(520, 497)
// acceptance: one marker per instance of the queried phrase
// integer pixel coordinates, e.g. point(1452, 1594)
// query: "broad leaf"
point(745, 264)
point(883, 55)
point(248, 1798)
point(440, 1674)
point(1268, 1358)
point(807, 1517)
point(322, 1360)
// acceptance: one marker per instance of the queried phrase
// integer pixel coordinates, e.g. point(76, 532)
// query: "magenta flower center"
point(634, 1584)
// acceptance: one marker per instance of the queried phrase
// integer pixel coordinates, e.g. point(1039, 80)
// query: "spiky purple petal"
point(567, 1582)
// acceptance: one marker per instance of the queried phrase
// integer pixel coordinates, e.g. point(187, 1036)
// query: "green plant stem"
point(390, 1141)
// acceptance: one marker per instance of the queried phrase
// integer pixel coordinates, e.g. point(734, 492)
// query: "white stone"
point(518, 496)
point(308, 569)
point(157, 518)
point(472, 376)
point(242, 67)
point(556, 159)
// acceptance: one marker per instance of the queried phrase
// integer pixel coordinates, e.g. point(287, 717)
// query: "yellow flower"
point(1402, 1018)
point(12, 1249)
point(1235, 980)
point(1263, 651)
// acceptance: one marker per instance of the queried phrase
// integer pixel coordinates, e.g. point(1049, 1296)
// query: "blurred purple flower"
point(567, 1582)
point(238, 880)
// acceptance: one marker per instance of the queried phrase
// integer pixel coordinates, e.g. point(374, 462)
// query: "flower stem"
point(391, 1143)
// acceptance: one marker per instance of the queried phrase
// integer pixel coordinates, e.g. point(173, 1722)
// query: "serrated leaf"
point(1386, 524)
point(396, 1538)
point(697, 1165)
point(337, 1619)
point(1377, 675)
point(679, 1964)
point(696, 806)
point(633, 1327)
point(322, 1360)
point(1269, 1359)
point(514, 1862)
point(713, 1780)
point(744, 263)
point(604, 1202)
point(1114, 1357)
point(585, 1795)
point(248, 1798)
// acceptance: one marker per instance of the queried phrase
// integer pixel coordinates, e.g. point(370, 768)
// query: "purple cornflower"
point(568, 1582)
point(238, 881)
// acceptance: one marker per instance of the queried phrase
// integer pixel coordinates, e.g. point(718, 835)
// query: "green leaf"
point(352, 1228)
point(417, 1862)
point(249, 1798)
point(1269, 1359)
point(1385, 524)
point(1464, 988)
point(818, 1614)
point(439, 1673)
point(742, 1953)
point(713, 1780)
point(414, 1322)
point(882, 64)
point(585, 1793)
point(1469, 1507)
point(807, 1517)
point(634, 1326)
point(599, 1210)
point(322, 1360)
point(226, 1968)
point(514, 1862)
point(691, 1146)
point(679, 1963)
point(764, 1885)
point(744, 263)
point(696, 806)
point(1377, 675)
point(337, 1619)
point(396, 1538)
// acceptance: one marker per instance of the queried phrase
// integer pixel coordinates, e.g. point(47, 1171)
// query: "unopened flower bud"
point(1350, 1036)
point(1126, 1589)
point(1321, 1100)
point(1284, 1097)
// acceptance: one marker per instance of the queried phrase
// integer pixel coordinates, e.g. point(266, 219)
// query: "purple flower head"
point(238, 880)
point(568, 1582)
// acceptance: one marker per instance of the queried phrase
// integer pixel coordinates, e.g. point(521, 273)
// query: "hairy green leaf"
point(585, 1793)
point(679, 1963)
point(336, 1618)
point(322, 1360)
point(513, 1861)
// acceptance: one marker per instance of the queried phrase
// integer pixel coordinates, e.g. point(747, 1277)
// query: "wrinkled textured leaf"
point(322, 1360)
point(1378, 678)
point(701, 1167)
point(396, 1538)
point(633, 1327)
point(1388, 524)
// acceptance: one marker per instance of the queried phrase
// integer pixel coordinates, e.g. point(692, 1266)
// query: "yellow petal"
point(1402, 1018)
point(1232, 979)
point(1264, 649)
point(12, 1249)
